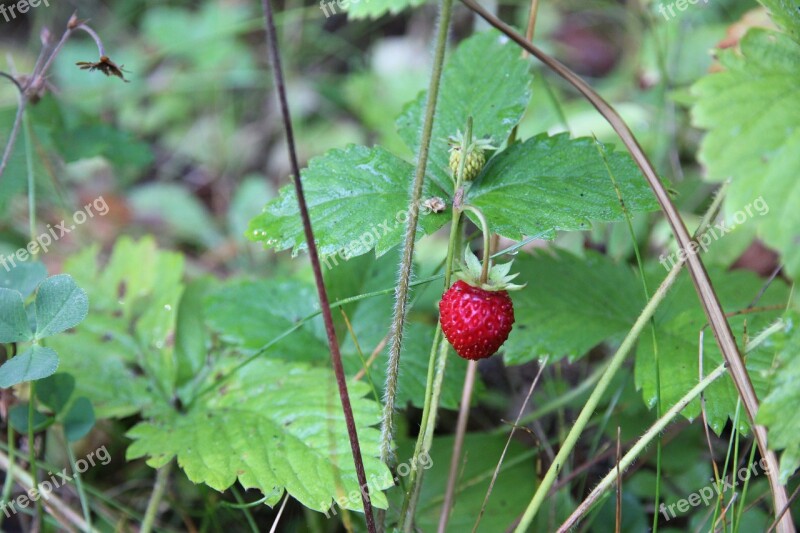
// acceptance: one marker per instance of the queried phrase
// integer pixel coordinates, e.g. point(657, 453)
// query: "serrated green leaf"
point(485, 78)
point(56, 390)
point(14, 325)
point(786, 13)
point(557, 183)
point(36, 363)
point(778, 410)
point(361, 9)
point(570, 305)
point(357, 199)
point(23, 278)
point(60, 305)
point(273, 425)
point(758, 146)
point(79, 420)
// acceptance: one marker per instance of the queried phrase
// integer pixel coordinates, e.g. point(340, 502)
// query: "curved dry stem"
point(12, 139)
point(705, 291)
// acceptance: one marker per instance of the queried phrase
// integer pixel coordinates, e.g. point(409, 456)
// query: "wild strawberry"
point(477, 317)
point(476, 157)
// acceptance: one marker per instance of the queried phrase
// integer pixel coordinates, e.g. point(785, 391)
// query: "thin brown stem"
point(333, 343)
point(17, 124)
point(458, 445)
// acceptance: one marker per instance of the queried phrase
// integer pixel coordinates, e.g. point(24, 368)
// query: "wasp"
point(106, 66)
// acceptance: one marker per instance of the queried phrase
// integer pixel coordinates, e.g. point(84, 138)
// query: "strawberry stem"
point(487, 261)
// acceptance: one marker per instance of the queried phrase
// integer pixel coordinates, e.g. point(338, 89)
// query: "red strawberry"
point(475, 321)
point(477, 317)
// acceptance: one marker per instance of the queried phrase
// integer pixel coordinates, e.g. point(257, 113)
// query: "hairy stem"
point(433, 388)
point(406, 262)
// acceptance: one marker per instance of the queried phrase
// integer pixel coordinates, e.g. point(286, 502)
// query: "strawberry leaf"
point(126, 361)
point(357, 198)
point(557, 183)
point(266, 427)
point(570, 305)
point(758, 146)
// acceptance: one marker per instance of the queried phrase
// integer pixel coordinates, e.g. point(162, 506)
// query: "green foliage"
point(786, 14)
point(36, 363)
point(58, 306)
point(55, 391)
point(127, 365)
point(176, 210)
point(778, 410)
point(23, 278)
point(758, 145)
point(79, 420)
point(485, 60)
point(679, 322)
point(14, 325)
point(274, 426)
point(570, 305)
point(75, 413)
point(122, 356)
point(357, 197)
point(253, 314)
point(557, 183)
